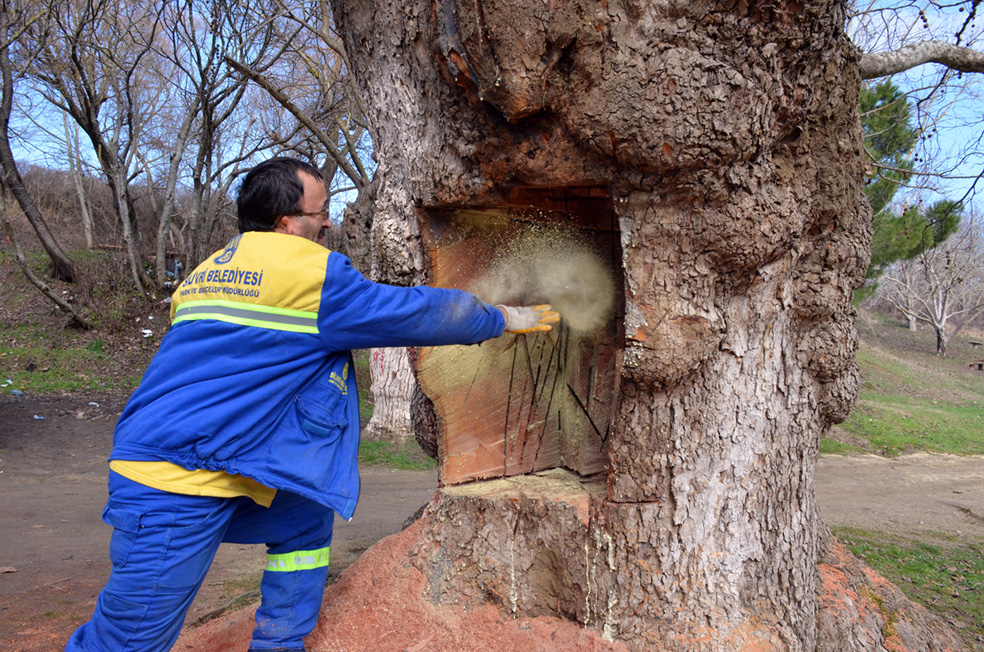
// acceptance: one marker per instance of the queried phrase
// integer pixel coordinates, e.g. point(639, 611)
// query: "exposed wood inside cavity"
point(528, 402)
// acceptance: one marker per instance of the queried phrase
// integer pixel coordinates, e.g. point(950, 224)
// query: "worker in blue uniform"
point(245, 427)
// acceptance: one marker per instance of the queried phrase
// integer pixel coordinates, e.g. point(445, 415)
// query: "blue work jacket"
point(255, 376)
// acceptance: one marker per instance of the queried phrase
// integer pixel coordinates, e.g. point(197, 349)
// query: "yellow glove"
point(528, 319)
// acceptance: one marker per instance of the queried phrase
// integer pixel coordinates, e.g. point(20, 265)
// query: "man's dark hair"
point(271, 190)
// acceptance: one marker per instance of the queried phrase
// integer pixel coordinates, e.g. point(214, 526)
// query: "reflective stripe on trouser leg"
point(290, 606)
point(297, 532)
point(300, 560)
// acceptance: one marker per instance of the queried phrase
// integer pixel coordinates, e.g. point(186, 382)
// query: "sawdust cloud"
point(545, 265)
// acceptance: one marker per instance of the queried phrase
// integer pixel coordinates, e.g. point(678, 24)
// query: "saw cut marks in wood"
point(525, 403)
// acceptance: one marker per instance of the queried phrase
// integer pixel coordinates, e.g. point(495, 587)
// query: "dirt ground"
point(54, 546)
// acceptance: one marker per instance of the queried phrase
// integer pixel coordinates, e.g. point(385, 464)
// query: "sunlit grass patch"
point(407, 457)
point(944, 573)
point(834, 447)
point(911, 399)
point(363, 379)
point(38, 360)
point(895, 424)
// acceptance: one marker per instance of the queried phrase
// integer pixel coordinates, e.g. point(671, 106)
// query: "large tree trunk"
point(677, 510)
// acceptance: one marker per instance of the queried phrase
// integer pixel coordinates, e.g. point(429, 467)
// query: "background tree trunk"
point(393, 385)
point(78, 181)
point(390, 244)
point(725, 139)
point(393, 381)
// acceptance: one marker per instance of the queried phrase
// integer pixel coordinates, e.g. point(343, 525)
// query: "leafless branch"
point(955, 57)
point(42, 287)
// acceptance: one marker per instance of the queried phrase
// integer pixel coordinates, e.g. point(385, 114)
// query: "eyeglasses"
point(321, 215)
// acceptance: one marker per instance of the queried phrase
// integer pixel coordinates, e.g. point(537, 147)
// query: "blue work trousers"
point(162, 546)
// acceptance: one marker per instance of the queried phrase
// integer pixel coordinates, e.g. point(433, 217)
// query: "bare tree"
point(189, 58)
point(311, 81)
point(933, 51)
point(15, 21)
point(219, 111)
point(149, 88)
point(42, 287)
point(943, 286)
point(90, 67)
point(904, 274)
point(75, 166)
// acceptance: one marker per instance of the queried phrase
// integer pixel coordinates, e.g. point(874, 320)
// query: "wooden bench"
point(975, 345)
point(977, 363)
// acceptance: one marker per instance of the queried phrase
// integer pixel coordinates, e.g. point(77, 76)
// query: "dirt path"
point(911, 494)
point(53, 489)
point(53, 486)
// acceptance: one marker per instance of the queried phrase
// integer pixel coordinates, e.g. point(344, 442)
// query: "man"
point(245, 427)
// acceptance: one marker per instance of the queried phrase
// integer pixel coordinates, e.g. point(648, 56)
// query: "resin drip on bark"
point(528, 402)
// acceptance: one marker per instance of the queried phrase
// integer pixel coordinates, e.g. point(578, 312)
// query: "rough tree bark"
point(383, 236)
point(726, 138)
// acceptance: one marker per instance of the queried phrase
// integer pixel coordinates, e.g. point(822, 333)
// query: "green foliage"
point(890, 138)
point(901, 237)
point(39, 360)
point(363, 379)
point(942, 573)
point(886, 119)
point(408, 457)
point(943, 218)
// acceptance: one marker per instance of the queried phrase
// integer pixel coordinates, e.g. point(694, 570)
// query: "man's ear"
point(285, 224)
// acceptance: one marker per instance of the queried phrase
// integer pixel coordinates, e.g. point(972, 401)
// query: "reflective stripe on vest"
point(247, 314)
point(298, 560)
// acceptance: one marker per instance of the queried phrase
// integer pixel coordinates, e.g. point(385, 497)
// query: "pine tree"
point(890, 139)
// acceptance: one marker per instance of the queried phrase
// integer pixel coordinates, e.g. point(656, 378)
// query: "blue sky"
point(953, 139)
point(954, 118)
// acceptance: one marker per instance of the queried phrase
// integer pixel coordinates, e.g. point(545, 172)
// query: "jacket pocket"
point(318, 421)
point(126, 524)
point(305, 445)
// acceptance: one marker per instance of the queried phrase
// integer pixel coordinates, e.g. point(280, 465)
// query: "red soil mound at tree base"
point(378, 605)
point(861, 610)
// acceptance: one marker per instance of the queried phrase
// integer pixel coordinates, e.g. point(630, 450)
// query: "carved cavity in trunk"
point(525, 403)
